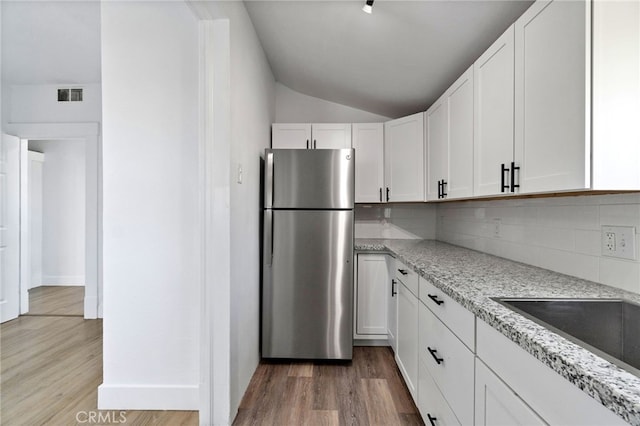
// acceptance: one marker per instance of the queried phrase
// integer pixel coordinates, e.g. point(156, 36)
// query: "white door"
point(404, 158)
point(493, 86)
point(552, 67)
point(331, 136)
point(290, 136)
point(437, 148)
point(9, 228)
point(368, 142)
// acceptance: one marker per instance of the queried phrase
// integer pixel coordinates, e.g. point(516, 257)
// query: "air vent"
point(70, 95)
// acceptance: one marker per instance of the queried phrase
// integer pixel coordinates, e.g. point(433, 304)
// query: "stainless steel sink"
point(608, 327)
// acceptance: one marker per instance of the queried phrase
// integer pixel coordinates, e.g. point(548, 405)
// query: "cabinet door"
point(331, 135)
point(552, 94)
point(449, 361)
point(497, 404)
point(437, 128)
point(368, 142)
point(407, 352)
point(493, 85)
point(290, 136)
point(404, 158)
point(460, 110)
point(372, 287)
point(432, 405)
point(392, 305)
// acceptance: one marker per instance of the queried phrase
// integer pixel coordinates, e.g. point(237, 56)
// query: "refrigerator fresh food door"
point(309, 179)
point(307, 299)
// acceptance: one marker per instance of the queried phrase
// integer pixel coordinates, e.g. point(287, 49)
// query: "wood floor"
point(51, 367)
point(56, 300)
point(367, 391)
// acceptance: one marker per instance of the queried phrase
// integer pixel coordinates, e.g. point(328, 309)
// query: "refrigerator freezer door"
point(308, 285)
point(309, 179)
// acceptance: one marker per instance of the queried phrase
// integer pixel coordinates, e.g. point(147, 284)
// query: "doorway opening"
point(54, 192)
point(60, 221)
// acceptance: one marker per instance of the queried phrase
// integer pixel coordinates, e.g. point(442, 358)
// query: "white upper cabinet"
point(437, 128)
point(331, 135)
point(368, 142)
point(493, 85)
point(552, 97)
point(310, 136)
point(449, 124)
point(460, 105)
point(290, 135)
point(616, 95)
point(404, 159)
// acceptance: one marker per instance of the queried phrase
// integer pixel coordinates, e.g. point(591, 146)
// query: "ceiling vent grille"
point(70, 94)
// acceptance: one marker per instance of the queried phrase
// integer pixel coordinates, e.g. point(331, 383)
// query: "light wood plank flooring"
point(56, 300)
point(51, 367)
point(367, 391)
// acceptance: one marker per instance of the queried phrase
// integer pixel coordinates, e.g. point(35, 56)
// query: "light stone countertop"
point(472, 277)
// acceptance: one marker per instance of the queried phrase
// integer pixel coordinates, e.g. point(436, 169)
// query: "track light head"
point(368, 6)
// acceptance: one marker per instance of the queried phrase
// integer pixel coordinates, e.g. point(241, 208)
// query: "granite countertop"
point(472, 277)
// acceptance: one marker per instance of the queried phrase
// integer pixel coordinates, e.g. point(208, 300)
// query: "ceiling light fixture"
point(368, 6)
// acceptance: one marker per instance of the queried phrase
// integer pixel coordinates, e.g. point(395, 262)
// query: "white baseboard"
point(135, 397)
point(91, 307)
point(66, 280)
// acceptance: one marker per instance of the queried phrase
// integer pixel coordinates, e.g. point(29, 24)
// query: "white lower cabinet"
point(433, 407)
point(449, 362)
point(372, 286)
point(553, 398)
point(407, 338)
point(392, 306)
point(497, 404)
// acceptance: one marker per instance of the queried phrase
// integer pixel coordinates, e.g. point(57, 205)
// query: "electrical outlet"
point(496, 228)
point(619, 241)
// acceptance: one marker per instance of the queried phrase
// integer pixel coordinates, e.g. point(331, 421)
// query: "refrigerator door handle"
point(268, 237)
point(268, 182)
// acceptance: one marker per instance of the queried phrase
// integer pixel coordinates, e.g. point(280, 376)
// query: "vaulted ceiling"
point(394, 62)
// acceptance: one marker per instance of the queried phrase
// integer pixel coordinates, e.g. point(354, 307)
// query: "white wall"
point(561, 234)
point(295, 107)
point(63, 202)
point(151, 223)
point(38, 103)
point(252, 112)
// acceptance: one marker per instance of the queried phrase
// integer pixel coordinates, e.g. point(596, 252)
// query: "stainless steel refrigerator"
point(307, 285)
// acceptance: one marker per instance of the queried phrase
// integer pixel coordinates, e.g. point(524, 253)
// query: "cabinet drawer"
point(432, 405)
point(408, 277)
point(456, 317)
point(450, 363)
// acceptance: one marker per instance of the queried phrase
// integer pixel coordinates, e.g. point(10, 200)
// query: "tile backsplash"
point(395, 221)
point(560, 233)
